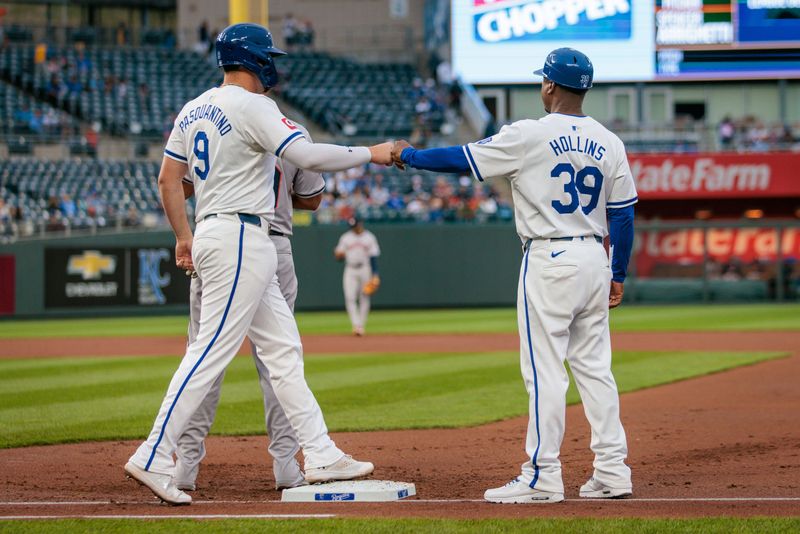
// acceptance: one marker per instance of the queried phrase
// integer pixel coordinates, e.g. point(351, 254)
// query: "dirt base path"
point(322, 344)
point(732, 436)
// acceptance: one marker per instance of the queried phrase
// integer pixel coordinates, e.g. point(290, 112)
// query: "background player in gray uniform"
point(359, 249)
point(298, 189)
point(572, 187)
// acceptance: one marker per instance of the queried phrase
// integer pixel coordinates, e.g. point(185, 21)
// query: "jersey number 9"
point(201, 153)
point(577, 185)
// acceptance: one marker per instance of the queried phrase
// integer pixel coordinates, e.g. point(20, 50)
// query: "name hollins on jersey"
point(569, 143)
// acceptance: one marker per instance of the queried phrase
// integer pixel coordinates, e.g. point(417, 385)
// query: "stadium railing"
point(715, 261)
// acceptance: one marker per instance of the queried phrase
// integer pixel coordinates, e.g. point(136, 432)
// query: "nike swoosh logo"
point(554, 254)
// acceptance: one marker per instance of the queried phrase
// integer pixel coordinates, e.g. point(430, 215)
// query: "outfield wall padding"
point(421, 266)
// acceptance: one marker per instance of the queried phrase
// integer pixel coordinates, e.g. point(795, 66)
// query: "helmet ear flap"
point(269, 74)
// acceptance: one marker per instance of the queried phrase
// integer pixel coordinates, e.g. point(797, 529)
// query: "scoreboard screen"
point(503, 41)
point(726, 39)
point(682, 22)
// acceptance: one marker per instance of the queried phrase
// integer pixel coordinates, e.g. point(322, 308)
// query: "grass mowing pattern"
point(625, 319)
point(67, 400)
point(711, 525)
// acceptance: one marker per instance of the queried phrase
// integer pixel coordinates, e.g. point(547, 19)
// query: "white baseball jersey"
point(564, 171)
point(358, 248)
point(289, 180)
point(229, 138)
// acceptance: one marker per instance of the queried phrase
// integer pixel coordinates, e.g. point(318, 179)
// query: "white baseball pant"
point(283, 445)
point(241, 297)
point(562, 309)
point(355, 301)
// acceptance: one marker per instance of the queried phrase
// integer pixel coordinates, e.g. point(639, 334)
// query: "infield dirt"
point(733, 435)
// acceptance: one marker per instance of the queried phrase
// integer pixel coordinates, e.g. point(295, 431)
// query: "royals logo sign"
point(516, 20)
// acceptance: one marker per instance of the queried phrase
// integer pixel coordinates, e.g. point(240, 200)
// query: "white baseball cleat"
point(288, 475)
point(594, 489)
point(346, 468)
point(184, 479)
point(358, 331)
point(186, 486)
point(161, 485)
point(518, 492)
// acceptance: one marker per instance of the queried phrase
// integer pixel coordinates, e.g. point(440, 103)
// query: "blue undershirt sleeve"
point(373, 262)
point(449, 159)
point(620, 230)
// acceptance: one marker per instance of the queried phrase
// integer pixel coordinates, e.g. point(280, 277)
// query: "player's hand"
point(183, 255)
point(615, 297)
point(397, 150)
point(382, 153)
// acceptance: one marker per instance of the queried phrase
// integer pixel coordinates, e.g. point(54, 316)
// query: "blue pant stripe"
point(208, 348)
point(535, 378)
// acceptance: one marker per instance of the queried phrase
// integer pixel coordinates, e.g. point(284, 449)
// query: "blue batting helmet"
point(249, 46)
point(568, 67)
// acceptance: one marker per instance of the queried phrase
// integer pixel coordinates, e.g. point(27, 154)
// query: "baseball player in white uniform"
point(359, 250)
point(228, 139)
point(296, 188)
point(570, 181)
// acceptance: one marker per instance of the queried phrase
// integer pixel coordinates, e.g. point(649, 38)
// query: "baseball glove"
point(372, 286)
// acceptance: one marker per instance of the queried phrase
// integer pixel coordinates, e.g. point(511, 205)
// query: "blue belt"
point(255, 220)
point(582, 238)
point(596, 238)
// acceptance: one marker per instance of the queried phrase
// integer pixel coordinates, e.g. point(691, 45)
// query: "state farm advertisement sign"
point(688, 176)
point(686, 246)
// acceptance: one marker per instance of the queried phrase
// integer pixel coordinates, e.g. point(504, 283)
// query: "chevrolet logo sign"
point(91, 264)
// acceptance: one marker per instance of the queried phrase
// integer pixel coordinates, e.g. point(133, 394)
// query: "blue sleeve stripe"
point(287, 141)
point(173, 155)
point(472, 164)
point(622, 203)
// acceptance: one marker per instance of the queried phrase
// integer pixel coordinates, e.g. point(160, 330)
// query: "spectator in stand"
point(51, 122)
point(132, 217)
point(35, 124)
point(23, 115)
point(67, 206)
point(757, 136)
point(377, 192)
point(733, 270)
point(727, 133)
point(415, 184)
point(290, 30)
point(83, 64)
point(416, 208)
point(305, 35)
point(143, 94)
point(785, 137)
point(74, 85)
point(395, 202)
point(91, 138)
point(122, 89)
point(203, 38)
point(121, 36)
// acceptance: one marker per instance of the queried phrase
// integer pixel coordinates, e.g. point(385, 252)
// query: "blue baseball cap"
point(568, 67)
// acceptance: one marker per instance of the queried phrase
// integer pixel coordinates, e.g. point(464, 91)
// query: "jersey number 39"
point(576, 186)
point(201, 153)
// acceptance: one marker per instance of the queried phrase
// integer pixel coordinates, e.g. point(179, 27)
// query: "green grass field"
point(394, 526)
point(624, 319)
point(44, 401)
point(64, 400)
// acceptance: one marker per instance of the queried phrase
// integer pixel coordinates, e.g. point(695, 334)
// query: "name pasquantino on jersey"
point(570, 143)
point(515, 20)
point(209, 112)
